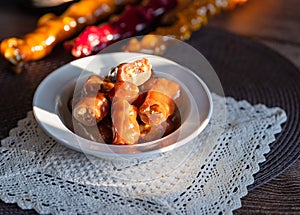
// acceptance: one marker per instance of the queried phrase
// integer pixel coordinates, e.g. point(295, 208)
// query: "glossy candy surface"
point(133, 20)
point(123, 114)
point(52, 29)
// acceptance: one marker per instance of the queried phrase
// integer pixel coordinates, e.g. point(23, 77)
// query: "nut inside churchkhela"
point(130, 105)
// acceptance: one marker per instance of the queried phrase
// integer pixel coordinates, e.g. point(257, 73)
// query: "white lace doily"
point(36, 172)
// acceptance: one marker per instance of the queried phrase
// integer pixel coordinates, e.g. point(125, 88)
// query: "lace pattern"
point(207, 176)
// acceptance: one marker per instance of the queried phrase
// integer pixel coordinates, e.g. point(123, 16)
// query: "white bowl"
point(52, 95)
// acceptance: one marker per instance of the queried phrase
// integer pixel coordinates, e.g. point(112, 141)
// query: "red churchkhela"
point(133, 20)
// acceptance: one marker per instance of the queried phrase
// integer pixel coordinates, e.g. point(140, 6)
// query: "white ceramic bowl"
point(52, 95)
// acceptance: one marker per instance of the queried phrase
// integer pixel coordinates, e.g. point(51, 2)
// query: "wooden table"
point(276, 24)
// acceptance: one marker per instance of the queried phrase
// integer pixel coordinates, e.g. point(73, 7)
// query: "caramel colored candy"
point(125, 90)
point(91, 109)
point(156, 108)
point(159, 103)
point(93, 84)
point(137, 72)
point(125, 126)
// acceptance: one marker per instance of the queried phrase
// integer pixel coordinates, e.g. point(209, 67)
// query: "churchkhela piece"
point(132, 21)
point(154, 132)
point(102, 132)
point(52, 29)
point(192, 16)
point(125, 126)
point(124, 90)
point(180, 23)
point(92, 84)
point(159, 103)
point(91, 109)
point(137, 72)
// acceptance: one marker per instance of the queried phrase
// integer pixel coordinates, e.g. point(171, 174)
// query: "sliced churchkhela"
point(92, 84)
point(159, 103)
point(124, 90)
point(91, 109)
point(125, 126)
point(95, 83)
point(132, 21)
point(125, 113)
point(52, 29)
point(137, 72)
point(154, 132)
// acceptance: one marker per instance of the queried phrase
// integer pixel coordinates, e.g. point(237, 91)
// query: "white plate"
point(51, 97)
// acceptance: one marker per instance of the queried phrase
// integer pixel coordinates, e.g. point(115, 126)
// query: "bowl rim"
point(62, 134)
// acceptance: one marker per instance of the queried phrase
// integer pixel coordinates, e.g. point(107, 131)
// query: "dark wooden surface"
point(276, 23)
